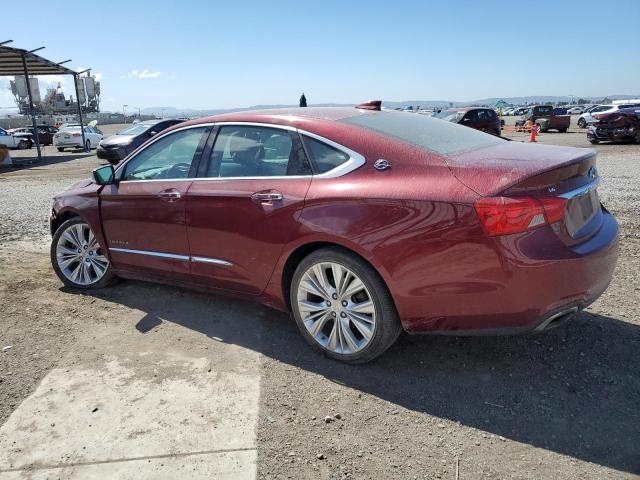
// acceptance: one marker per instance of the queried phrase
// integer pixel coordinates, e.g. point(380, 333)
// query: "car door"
point(6, 139)
point(470, 119)
point(143, 213)
point(244, 205)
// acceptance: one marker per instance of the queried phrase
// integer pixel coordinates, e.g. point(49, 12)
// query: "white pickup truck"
point(11, 141)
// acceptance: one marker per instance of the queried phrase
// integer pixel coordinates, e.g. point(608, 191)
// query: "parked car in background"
point(118, 146)
point(14, 141)
point(622, 125)
point(483, 119)
point(45, 134)
point(543, 116)
point(361, 223)
point(577, 110)
point(520, 111)
point(71, 137)
point(587, 118)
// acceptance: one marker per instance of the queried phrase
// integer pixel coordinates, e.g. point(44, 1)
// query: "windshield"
point(135, 129)
point(425, 132)
point(450, 115)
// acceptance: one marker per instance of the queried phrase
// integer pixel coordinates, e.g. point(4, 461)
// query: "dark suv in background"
point(118, 146)
point(483, 119)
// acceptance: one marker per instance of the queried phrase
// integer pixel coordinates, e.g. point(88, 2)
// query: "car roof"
point(295, 117)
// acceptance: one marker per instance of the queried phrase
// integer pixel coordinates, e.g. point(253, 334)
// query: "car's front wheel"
point(582, 123)
point(77, 257)
point(342, 306)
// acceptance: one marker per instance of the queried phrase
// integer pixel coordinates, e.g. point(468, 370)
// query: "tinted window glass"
point(323, 156)
point(170, 157)
point(425, 132)
point(242, 151)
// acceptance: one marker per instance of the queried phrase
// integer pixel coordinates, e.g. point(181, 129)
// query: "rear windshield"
point(430, 133)
point(136, 129)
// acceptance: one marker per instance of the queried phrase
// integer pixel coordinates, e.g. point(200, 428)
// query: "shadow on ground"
point(573, 390)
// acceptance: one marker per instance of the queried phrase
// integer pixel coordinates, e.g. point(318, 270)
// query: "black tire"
point(594, 142)
point(387, 325)
point(562, 130)
point(582, 123)
point(60, 149)
point(23, 145)
point(107, 279)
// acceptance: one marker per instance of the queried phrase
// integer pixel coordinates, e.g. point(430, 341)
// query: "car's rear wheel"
point(342, 306)
point(77, 257)
point(582, 123)
point(60, 149)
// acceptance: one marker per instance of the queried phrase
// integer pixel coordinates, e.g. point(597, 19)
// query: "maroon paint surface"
point(414, 223)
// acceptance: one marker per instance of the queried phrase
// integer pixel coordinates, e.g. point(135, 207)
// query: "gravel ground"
point(559, 405)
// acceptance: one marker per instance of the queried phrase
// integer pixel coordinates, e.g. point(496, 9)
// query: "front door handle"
point(267, 196)
point(169, 195)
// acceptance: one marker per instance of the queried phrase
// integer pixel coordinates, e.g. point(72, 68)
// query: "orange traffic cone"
point(534, 133)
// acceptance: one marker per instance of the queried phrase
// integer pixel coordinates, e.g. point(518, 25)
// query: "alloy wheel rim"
point(79, 255)
point(336, 308)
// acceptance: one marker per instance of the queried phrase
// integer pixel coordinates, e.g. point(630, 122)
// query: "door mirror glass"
point(104, 175)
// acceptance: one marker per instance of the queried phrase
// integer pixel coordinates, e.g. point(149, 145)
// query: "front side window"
point(251, 151)
point(168, 158)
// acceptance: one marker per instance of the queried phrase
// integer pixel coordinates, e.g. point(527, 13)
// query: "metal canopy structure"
point(15, 61)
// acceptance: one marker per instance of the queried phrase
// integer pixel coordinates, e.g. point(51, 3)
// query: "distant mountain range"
point(191, 112)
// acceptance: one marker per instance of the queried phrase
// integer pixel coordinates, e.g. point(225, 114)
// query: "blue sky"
point(225, 54)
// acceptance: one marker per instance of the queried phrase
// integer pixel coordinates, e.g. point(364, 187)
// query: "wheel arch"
point(62, 217)
point(295, 256)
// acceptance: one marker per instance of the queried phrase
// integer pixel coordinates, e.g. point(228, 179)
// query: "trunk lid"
point(517, 169)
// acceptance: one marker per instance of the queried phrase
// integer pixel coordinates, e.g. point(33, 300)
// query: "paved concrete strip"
point(153, 414)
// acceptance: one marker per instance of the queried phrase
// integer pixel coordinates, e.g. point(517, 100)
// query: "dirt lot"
point(560, 405)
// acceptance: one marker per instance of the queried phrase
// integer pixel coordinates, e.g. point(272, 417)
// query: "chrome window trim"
point(356, 160)
point(173, 256)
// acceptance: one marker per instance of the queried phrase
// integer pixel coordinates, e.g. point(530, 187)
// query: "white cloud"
point(145, 74)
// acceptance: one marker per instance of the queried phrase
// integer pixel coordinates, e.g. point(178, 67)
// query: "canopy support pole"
point(31, 112)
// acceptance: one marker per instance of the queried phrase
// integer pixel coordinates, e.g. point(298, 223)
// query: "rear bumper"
point(517, 286)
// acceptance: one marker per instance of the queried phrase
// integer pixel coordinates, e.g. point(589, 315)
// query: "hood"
point(494, 169)
point(118, 140)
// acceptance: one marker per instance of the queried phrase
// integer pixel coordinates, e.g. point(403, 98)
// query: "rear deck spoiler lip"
point(459, 170)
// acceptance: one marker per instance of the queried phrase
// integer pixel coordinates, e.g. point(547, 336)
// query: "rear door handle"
point(267, 196)
point(169, 195)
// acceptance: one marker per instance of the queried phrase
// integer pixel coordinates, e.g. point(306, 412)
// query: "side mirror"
point(104, 175)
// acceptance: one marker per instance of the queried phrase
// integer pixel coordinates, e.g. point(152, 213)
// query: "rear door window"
point(252, 151)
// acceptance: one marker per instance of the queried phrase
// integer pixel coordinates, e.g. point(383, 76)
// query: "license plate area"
point(582, 213)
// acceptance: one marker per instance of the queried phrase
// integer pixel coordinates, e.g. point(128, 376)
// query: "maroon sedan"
point(361, 223)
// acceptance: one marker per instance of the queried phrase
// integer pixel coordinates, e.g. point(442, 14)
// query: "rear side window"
point(324, 157)
point(430, 133)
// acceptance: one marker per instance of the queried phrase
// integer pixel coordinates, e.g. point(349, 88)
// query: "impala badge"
point(382, 164)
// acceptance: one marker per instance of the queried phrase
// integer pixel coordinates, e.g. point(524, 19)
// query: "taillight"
point(506, 215)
